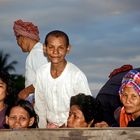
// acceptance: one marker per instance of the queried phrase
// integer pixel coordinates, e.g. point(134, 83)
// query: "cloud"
point(104, 34)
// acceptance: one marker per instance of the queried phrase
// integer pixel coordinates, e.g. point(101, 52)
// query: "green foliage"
point(19, 81)
point(4, 65)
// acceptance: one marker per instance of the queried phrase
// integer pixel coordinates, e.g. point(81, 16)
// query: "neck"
point(31, 44)
point(136, 115)
point(57, 69)
point(2, 105)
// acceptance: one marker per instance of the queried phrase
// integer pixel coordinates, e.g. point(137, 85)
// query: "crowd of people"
point(57, 93)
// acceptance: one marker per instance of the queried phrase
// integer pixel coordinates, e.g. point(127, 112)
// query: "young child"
point(85, 111)
point(56, 82)
point(7, 96)
point(130, 98)
point(21, 115)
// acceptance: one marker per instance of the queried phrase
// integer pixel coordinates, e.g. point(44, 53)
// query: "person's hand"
point(101, 124)
point(52, 125)
point(23, 94)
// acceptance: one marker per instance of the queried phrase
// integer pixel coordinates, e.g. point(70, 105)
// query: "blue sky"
point(104, 34)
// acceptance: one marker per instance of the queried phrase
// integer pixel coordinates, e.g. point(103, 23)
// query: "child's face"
point(19, 118)
point(3, 90)
point(76, 118)
point(131, 100)
point(56, 49)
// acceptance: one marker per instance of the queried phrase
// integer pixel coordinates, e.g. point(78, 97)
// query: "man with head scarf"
point(27, 36)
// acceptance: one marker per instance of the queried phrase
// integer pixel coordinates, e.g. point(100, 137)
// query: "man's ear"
point(32, 120)
point(68, 49)
point(44, 49)
point(7, 120)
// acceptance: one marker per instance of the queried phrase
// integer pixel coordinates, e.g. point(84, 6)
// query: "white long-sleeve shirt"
point(52, 96)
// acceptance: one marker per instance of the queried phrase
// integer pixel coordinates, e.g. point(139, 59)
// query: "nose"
point(69, 121)
point(55, 51)
point(17, 122)
point(128, 99)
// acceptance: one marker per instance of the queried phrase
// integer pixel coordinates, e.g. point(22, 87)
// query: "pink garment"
point(131, 79)
point(26, 29)
point(2, 117)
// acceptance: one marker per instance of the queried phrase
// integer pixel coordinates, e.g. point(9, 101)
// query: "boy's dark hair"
point(89, 107)
point(57, 33)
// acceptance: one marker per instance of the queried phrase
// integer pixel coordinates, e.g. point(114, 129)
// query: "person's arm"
point(23, 94)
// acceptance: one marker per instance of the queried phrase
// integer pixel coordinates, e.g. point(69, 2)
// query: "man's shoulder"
point(73, 69)
point(44, 68)
point(73, 66)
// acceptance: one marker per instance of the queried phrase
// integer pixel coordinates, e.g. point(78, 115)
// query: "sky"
point(104, 34)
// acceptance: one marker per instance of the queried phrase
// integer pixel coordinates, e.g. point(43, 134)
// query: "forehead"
point(51, 39)
point(19, 111)
point(2, 83)
point(129, 89)
point(75, 108)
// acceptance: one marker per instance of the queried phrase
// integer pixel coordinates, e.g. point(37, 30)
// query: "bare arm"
point(23, 94)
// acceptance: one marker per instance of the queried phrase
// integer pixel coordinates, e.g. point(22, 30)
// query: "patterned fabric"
point(26, 29)
point(132, 78)
point(124, 118)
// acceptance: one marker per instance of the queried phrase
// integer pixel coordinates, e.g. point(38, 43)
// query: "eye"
point(12, 118)
point(61, 48)
point(124, 95)
point(23, 118)
point(76, 116)
point(50, 46)
point(134, 96)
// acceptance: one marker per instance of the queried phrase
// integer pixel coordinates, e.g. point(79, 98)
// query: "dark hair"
point(57, 33)
point(28, 107)
point(89, 107)
point(10, 87)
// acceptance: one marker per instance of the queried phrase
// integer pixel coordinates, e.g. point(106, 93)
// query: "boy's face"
point(19, 118)
point(3, 90)
point(131, 100)
point(56, 49)
point(76, 118)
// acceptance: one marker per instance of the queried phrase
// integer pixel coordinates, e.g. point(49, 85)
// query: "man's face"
point(21, 41)
point(56, 49)
point(76, 118)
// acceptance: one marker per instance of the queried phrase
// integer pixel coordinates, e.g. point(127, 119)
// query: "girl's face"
point(3, 90)
point(19, 118)
point(131, 101)
point(76, 118)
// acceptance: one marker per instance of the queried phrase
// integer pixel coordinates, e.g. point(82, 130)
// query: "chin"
point(129, 111)
point(69, 126)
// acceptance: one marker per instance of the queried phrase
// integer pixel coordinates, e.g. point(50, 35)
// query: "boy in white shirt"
point(56, 82)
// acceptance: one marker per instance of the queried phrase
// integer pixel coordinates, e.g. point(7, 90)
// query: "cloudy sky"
point(104, 34)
